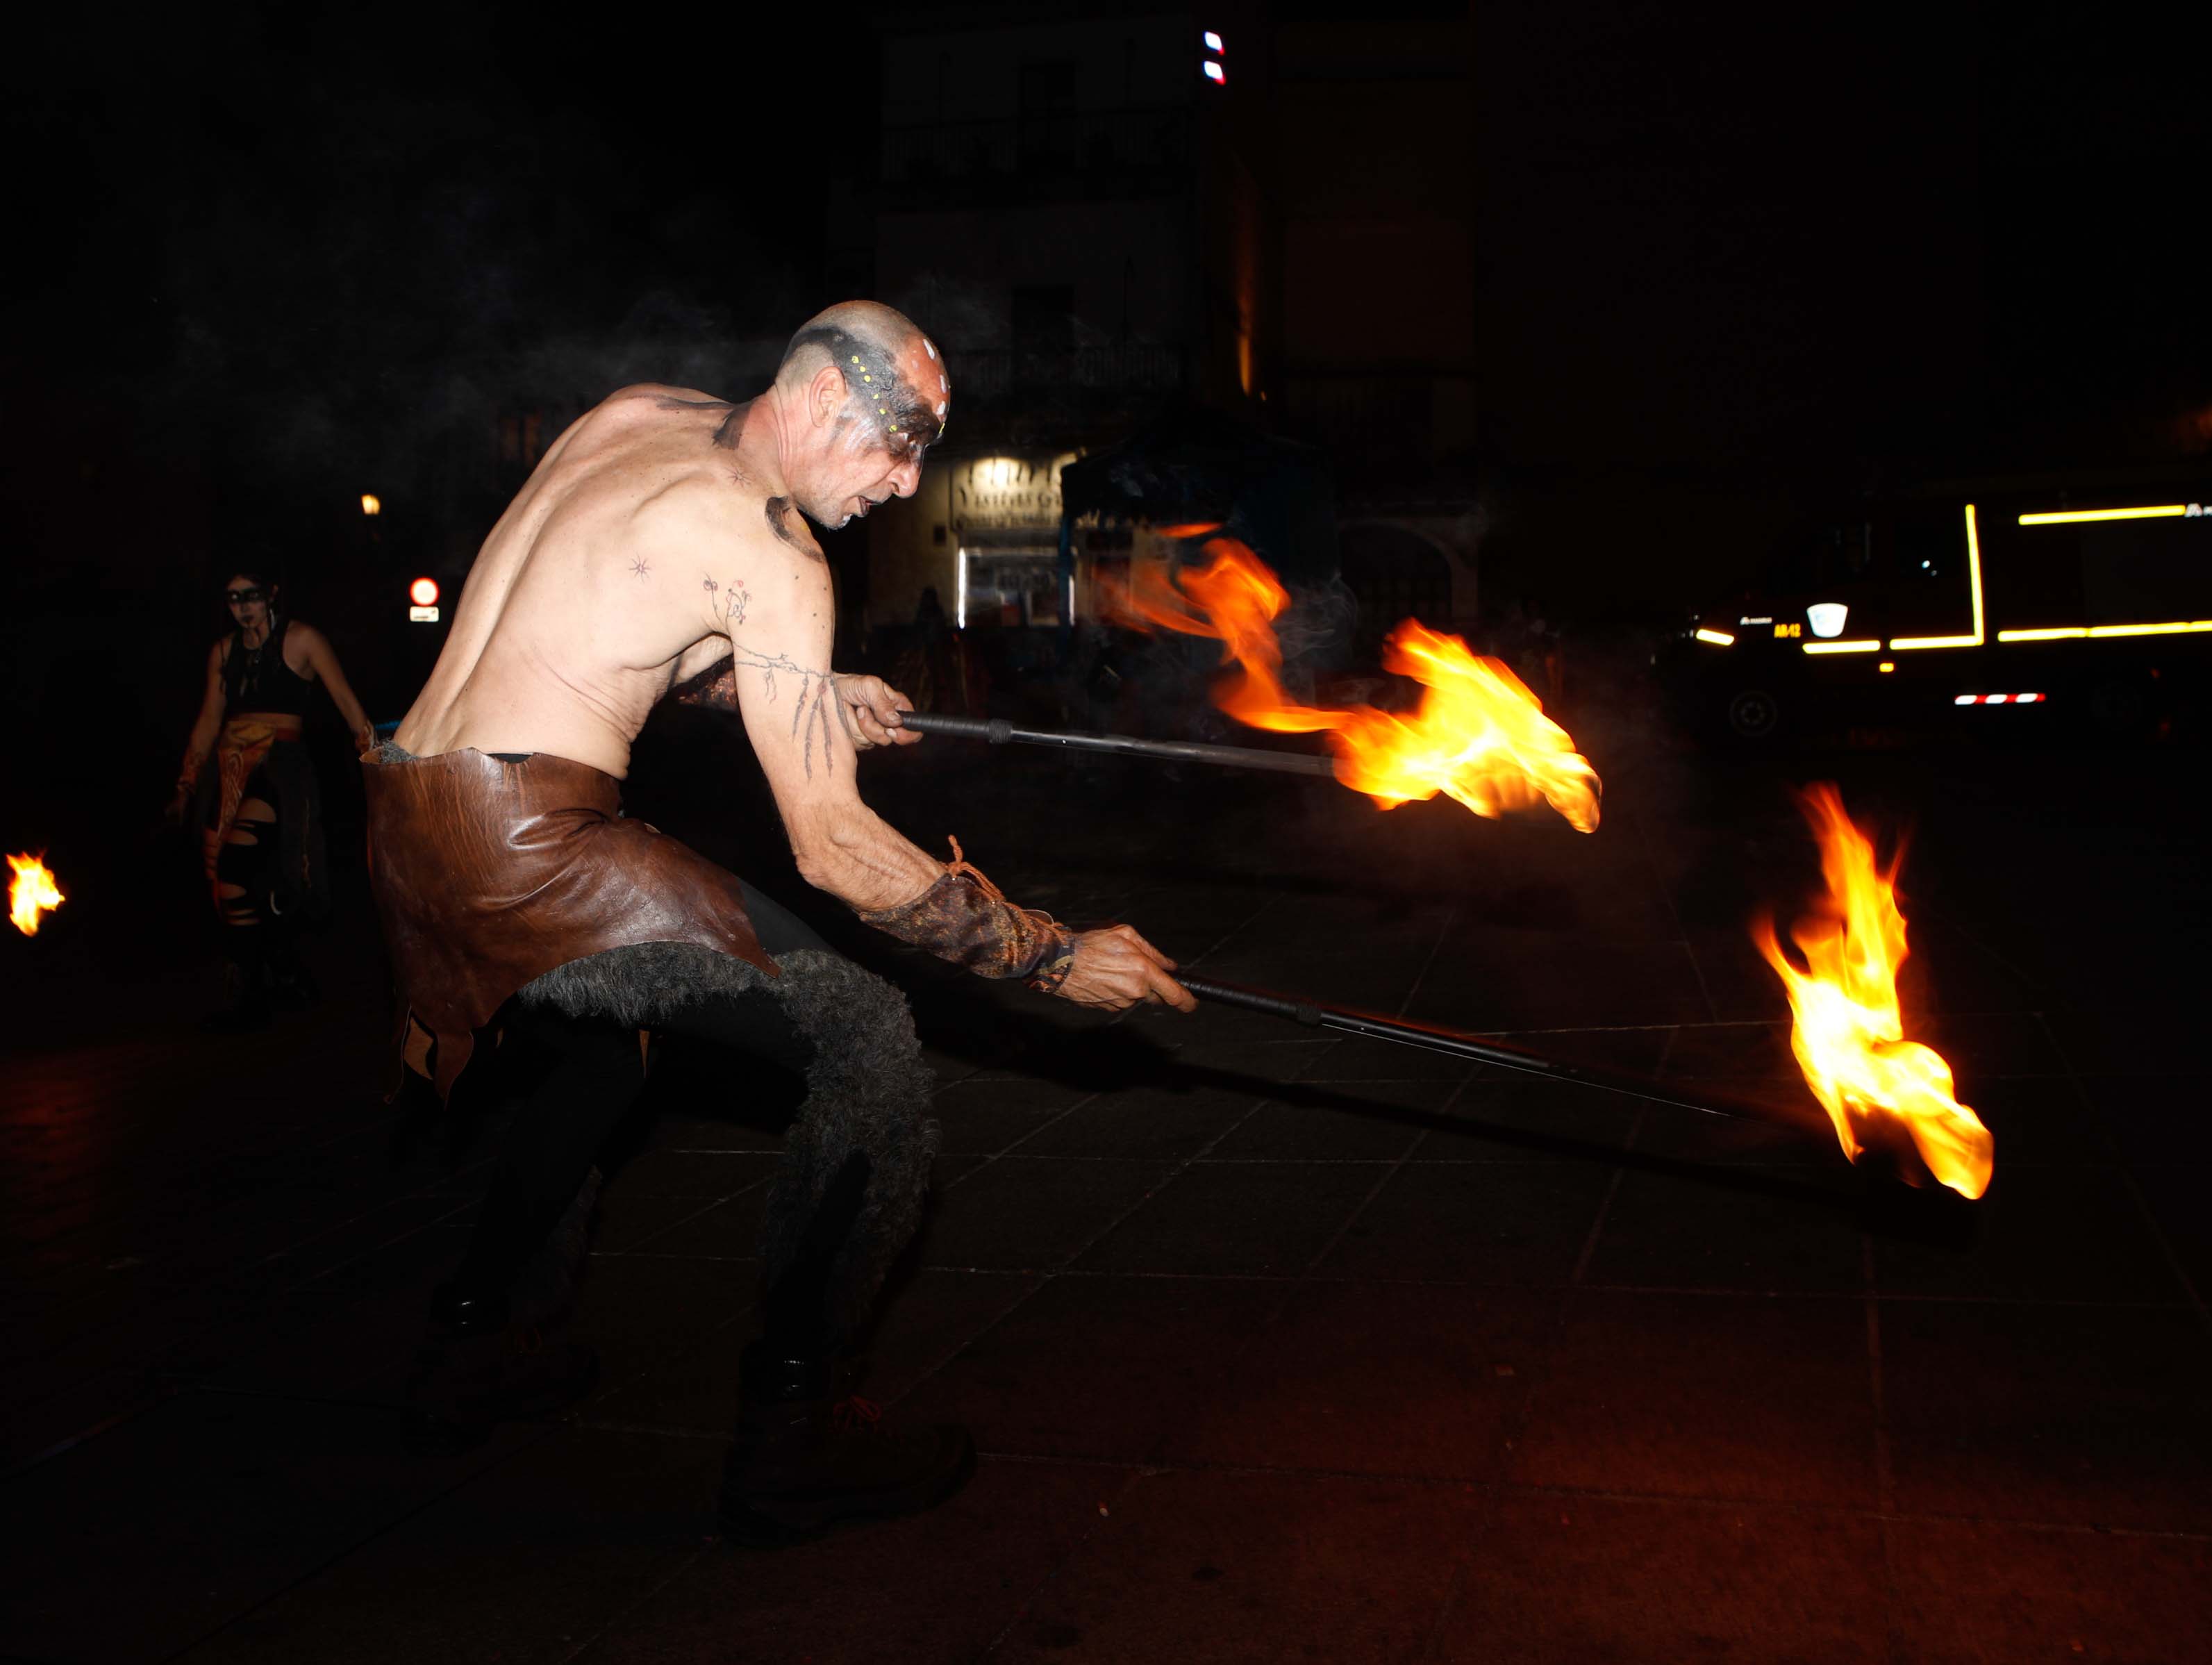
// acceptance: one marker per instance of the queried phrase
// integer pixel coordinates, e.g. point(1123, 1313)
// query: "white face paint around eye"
point(940, 407)
point(929, 346)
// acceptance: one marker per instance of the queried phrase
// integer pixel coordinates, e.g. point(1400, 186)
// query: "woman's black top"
point(257, 679)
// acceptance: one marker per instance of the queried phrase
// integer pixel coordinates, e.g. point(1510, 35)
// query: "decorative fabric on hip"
point(264, 757)
point(489, 874)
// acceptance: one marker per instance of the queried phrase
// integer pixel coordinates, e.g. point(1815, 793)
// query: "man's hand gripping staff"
point(966, 918)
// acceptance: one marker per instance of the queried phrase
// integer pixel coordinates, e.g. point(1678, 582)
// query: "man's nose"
point(906, 478)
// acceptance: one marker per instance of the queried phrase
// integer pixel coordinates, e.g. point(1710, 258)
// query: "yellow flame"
point(31, 892)
point(1848, 1033)
point(1477, 735)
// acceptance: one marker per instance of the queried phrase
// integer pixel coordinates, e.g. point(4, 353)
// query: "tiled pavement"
point(1276, 1346)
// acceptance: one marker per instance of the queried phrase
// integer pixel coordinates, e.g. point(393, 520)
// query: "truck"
point(2080, 605)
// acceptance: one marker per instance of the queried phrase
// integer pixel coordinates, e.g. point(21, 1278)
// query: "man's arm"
point(797, 717)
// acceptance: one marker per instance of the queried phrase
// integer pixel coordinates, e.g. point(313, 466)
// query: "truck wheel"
point(1754, 714)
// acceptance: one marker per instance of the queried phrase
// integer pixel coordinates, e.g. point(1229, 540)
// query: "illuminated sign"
point(1718, 638)
point(2159, 511)
point(423, 592)
point(422, 614)
point(1826, 618)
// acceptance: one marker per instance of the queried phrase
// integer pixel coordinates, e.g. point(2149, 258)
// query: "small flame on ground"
point(31, 893)
point(1847, 1035)
point(1478, 734)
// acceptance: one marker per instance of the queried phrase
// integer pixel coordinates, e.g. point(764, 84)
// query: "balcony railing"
point(1106, 145)
point(1120, 367)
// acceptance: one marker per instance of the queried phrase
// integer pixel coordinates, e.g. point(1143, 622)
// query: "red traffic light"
point(423, 592)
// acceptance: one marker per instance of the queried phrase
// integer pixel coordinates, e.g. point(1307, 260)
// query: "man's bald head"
point(895, 377)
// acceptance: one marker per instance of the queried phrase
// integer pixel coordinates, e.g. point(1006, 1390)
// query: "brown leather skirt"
point(489, 874)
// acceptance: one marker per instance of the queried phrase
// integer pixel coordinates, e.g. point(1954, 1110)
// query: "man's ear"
point(825, 395)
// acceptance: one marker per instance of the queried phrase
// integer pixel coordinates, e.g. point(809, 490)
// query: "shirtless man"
point(662, 545)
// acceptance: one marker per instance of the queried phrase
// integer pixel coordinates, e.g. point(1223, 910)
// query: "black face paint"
point(905, 420)
point(778, 511)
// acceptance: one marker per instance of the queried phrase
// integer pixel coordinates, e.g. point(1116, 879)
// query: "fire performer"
point(662, 545)
point(260, 815)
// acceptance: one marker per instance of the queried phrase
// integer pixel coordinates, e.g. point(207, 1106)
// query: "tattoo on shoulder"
point(640, 565)
point(779, 511)
point(670, 402)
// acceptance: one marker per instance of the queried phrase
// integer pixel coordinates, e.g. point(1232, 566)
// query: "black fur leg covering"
point(867, 1091)
point(546, 1288)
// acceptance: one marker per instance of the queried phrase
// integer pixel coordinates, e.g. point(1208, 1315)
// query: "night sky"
point(275, 257)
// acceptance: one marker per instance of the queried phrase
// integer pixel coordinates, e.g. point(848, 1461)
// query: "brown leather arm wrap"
point(963, 918)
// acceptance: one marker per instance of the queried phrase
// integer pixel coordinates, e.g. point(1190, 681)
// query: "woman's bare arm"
point(205, 727)
point(322, 661)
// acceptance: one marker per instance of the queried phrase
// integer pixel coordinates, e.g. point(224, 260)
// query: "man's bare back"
point(583, 606)
point(665, 533)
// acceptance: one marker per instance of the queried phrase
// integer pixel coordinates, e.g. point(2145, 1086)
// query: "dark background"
point(267, 261)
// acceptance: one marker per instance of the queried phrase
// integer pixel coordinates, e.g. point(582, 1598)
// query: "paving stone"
point(1251, 1567)
point(1307, 1391)
point(984, 1117)
point(1353, 1122)
point(1969, 1592)
point(1021, 1214)
point(937, 1587)
point(1161, 1124)
point(1477, 1222)
point(255, 1493)
point(1706, 1396)
point(1096, 1367)
point(1260, 1218)
point(2067, 1233)
point(2050, 1413)
point(1739, 1228)
point(1567, 1577)
point(526, 1562)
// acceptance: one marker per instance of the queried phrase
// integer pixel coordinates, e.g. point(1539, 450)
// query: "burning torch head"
point(872, 394)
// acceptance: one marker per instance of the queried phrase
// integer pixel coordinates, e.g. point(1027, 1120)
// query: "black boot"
point(245, 986)
point(804, 1462)
point(478, 1368)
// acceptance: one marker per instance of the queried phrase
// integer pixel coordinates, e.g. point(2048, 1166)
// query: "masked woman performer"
point(248, 776)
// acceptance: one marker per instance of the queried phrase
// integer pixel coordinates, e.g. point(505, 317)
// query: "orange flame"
point(1847, 1035)
point(1478, 734)
point(31, 893)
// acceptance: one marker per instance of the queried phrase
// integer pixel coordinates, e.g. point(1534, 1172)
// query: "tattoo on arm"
point(814, 716)
point(730, 604)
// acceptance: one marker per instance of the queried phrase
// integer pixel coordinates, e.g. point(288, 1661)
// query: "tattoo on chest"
point(779, 512)
point(640, 565)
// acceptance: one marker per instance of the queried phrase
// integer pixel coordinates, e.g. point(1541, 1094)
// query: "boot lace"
point(854, 1413)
